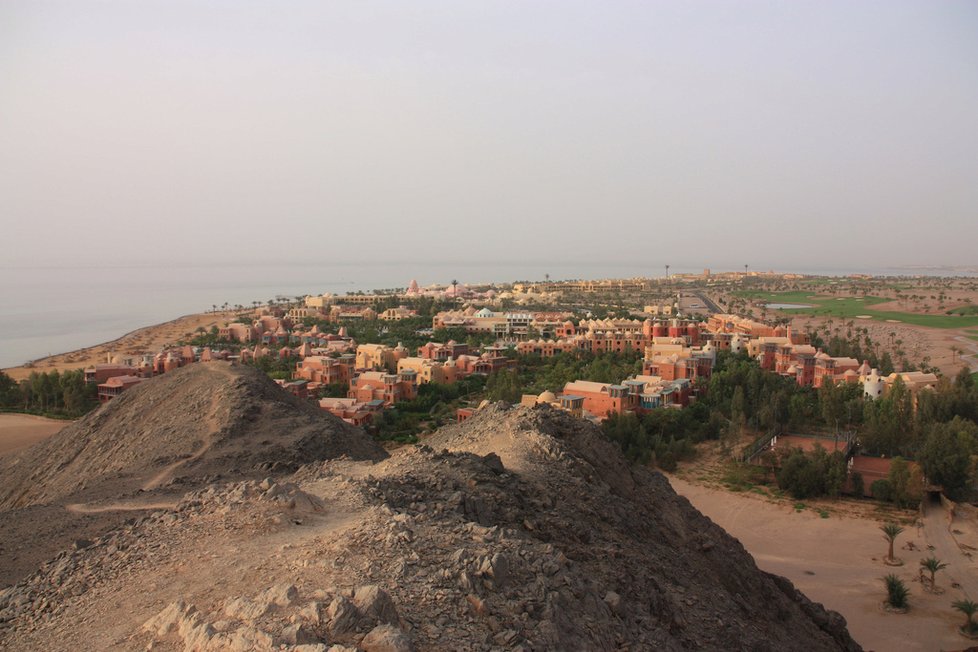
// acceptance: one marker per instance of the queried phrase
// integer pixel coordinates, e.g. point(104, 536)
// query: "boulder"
point(375, 604)
point(386, 638)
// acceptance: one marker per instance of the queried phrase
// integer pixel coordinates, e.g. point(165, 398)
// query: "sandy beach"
point(149, 339)
point(18, 431)
point(838, 561)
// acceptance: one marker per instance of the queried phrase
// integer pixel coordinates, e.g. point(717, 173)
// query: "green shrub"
point(896, 592)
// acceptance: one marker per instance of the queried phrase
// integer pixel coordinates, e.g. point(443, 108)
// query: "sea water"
point(51, 309)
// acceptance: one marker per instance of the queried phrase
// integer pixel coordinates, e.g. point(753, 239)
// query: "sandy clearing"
point(19, 431)
point(838, 561)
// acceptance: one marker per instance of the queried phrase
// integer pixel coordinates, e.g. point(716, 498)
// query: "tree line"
point(936, 428)
point(54, 394)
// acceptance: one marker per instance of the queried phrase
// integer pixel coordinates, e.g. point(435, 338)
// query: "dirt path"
point(960, 567)
point(212, 429)
point(972, 346)
point(89, 508)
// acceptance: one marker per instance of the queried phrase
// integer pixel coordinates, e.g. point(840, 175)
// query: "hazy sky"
point(696, 133)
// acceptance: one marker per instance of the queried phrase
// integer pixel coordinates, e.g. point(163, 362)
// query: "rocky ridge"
point(519, 529)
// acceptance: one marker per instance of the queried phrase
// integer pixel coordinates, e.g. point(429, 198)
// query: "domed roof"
point(547, 397)
point(792, 369)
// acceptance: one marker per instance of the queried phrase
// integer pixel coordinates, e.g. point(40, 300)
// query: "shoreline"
point(148, 338)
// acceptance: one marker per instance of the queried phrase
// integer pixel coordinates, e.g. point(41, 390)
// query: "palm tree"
point(891, 531)
point(932, 564)
point(455, 289)
point(968, 608)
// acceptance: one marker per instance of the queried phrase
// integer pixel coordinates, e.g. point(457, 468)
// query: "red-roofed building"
point(115, 386)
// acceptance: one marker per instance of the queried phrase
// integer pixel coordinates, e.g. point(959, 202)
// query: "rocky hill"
point(521, 529)
point(197, 422)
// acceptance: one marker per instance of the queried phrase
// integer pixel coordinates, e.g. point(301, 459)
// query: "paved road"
point(712, 307)
point(960, 568)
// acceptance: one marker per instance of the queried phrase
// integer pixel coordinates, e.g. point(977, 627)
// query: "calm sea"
point(47, 310)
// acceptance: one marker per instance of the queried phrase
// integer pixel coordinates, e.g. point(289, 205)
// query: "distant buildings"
point(351, 410)
point(123, 372)
point(382, 386)
point(397, 314)
point(325, 370)
point(379, 356)
point(102, 372)
point(597, 401)
point(442, 352)
point(505, 325)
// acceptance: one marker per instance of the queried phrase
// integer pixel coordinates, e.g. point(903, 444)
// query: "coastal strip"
point(145, 339)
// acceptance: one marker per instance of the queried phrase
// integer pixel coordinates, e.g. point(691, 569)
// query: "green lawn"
point(965, 310)
point(849, 307)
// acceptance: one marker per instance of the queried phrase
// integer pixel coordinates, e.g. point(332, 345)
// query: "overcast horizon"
point(786, 136)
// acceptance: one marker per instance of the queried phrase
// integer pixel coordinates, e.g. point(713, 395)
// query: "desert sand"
point(838, 561)
point(149, 339)
point(917, 341)
point(18, 431)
